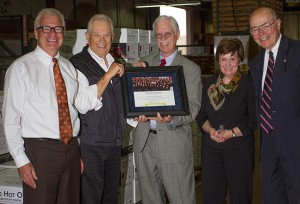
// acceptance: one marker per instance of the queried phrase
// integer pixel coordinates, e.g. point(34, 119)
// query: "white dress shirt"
point(87, 95)
point(275, 51)
point(30, 107)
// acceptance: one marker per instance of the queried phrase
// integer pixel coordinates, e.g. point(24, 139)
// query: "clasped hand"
point(220, 135)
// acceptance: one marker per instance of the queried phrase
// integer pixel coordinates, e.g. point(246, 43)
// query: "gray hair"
point(100, 17)
point(171, 19)
point(48, 12)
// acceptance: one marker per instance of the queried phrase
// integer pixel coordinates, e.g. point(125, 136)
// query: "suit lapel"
point(176, 60)
point(280, 66)
point(155, 60)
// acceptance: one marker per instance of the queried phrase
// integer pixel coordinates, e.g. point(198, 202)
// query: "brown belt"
point(47, 139)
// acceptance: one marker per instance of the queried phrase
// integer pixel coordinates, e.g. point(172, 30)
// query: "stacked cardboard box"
point(152, 42)
point(143, 43)
point(129, 188)
point(126, 43)
point(3, 148)
point(11, 191)
point(10, 183)
point(80, 41)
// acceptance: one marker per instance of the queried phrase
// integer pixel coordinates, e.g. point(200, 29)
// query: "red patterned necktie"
point(265, 106)
point(65, 127)
point(162, 62)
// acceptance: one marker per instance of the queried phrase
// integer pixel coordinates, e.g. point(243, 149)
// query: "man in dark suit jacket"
point(163, 146)
point(280, 148)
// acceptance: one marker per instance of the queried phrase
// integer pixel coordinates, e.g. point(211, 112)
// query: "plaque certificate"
point(148, 90)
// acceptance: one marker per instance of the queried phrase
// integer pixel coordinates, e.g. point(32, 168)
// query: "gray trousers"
point(159, 178)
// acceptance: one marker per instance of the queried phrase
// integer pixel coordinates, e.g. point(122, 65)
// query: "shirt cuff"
point(21, 160)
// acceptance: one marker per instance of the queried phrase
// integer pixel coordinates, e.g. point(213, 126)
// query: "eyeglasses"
point(265, 27)
point(48, 29)
point(165, 35)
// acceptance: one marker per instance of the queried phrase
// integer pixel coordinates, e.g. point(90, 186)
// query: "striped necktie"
point(265, 106)
point(65, 127)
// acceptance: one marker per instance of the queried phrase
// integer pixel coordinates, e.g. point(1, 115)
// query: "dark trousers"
point(227, 168)
point(100, 179)
point(280, 170)
point(58, 170)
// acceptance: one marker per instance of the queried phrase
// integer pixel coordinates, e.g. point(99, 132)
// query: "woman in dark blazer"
point(227, 118)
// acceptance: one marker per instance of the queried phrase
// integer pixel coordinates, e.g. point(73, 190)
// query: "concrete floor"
point(257, 194)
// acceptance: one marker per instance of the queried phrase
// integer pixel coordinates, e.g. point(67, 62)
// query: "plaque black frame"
point(178, 84)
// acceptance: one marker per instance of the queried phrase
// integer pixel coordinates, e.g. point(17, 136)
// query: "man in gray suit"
point(163, 146)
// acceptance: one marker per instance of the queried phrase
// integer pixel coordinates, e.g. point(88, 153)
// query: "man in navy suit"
point(280, 139)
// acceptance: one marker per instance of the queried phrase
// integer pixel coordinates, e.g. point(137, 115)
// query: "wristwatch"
point(233, 133)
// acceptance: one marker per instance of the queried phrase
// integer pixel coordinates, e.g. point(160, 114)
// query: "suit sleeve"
point(192, 75)
point(248, 126)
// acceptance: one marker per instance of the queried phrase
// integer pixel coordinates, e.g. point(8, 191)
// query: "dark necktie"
point(162, 62)
point(265, 106)
point(65, 127)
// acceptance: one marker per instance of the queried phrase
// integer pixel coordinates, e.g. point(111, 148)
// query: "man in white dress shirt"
point(50, 169)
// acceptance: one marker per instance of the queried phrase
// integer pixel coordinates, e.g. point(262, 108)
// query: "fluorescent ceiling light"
point(187, 3)
point(195, 3)
point(148, 5)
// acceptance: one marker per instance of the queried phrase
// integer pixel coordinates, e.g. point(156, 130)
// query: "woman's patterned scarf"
point(216, 91)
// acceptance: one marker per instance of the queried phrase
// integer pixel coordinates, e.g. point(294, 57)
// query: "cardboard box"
point(143, 36)
point(129, 52)
point(126, 35)
point(152, 39)
point(144, 49)
point(11, 190)
point(152, 43)
point(3, 147)
point(126, 180)
point(153, 47)
point(137, 197)
point(81, 41)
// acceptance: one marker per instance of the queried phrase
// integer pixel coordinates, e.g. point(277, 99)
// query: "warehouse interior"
point(206, 22)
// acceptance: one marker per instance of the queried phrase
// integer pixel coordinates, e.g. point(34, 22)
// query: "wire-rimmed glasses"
point(264, 27)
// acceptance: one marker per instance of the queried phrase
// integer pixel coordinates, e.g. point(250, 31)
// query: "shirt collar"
point(169, 59)
point(45, 58)
point(99, 60)
point(275, 48)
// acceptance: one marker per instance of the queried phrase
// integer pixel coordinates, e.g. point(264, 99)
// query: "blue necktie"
point(265, 106)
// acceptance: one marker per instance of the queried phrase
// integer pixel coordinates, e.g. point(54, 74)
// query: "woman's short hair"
point(230, 45)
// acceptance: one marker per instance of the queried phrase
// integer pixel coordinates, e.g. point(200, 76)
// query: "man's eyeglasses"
point(165, 35)
point(48, 29)
point(265, 27)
